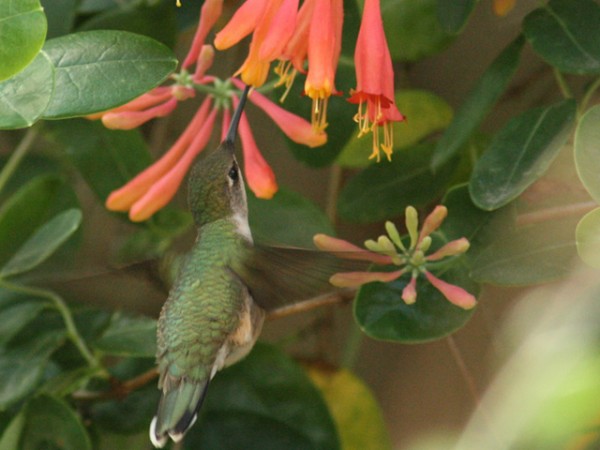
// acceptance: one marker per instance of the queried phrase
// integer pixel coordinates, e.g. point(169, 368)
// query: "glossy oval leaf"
point(22, 33)
point(528, 255)
point(155, 20)
point(98, 70)
point(25, 96)
point(520, 154)
point(25, 211)
point(566, 34)
point(52, 423)
point(357, 414)
point(265, 401)
point(478, 102)
point(385, 189)
point(16, 316)
point(453, 15)
point(22, 365)
point(465, 219)
point(412, 29)
point(382, 314)
point(129, 336)
point(587, 156)
point(288, 218)
point(426, 114)
point(43, 243)
point(588, 238)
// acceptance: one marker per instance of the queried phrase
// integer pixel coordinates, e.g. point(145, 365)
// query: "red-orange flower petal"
point(356, 279)
point(280, 31)
point(259, 175)
point(209, 14)
point(455, 294)
point(165, 189)
point(122, 199)
point(243, 22)
point(127, 120)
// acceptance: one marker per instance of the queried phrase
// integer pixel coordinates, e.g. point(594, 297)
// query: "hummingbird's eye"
point(233, 173)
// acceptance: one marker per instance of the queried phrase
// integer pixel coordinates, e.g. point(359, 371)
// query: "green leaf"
point(426, 112)
point(17, 315)
point(385, 189)
point(587, 157)
point(51, 423)
point(566, 34)
point(453, 15)
point(107, 159)
point(382, 314)
point(98, 70)
point(133, 413)
point(60, 15)
point(288, 218)
point(266, 399)
point(588, 238)
point(357, 414)
point(43, 243)
point(22, 365)
point(465, 219)
point(528, 255)
point(412, 29)
point(128, 336)
point(156, 21)
point(478, 102)
point(520, 154)
point(25, 96)
point(22, 33)
point(12, 434)
point(25, 211)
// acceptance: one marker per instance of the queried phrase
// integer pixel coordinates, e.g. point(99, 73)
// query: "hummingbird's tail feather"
point(177, 412)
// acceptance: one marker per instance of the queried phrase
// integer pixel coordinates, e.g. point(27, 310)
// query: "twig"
point(119, 389)
point(316, 302)
point(557, 212)
point(16, 156)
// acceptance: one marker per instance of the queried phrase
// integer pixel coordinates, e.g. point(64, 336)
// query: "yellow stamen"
point(319, 114)
point(178, 3)
point(287, 74)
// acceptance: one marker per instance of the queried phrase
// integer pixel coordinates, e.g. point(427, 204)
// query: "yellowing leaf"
point(353, 408)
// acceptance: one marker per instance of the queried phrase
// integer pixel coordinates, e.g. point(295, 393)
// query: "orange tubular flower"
point(375, 87)
point(294, 127)
point(260, 176)
point(209, 14)
point(324, 46)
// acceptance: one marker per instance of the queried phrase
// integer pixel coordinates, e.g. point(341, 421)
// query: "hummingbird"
point(225, 285)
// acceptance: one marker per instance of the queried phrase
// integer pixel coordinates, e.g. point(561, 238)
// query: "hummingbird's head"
point(216, 187)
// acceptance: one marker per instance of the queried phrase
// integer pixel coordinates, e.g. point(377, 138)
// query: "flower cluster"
point(413, 259)
point(155, 187)
point(311, 36)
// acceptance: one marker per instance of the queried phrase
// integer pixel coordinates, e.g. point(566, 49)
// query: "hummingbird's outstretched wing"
point(281, 276)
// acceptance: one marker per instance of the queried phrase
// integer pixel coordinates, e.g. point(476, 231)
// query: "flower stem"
point(17, 156)
point(335, 180)
point(352, 347)
point(556, 212)
point(58, 303)
point(588, 95)
point(562, 84)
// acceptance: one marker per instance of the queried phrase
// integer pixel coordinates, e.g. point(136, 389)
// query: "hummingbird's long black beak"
point(235, 120)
